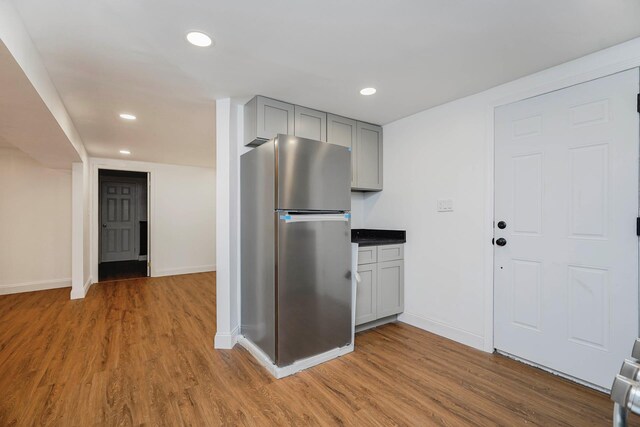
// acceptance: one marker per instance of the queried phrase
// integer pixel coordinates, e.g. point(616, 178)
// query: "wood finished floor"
point(140, 352)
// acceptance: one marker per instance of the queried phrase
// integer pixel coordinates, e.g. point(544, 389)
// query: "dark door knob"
point(501, 241)
point(502, 225)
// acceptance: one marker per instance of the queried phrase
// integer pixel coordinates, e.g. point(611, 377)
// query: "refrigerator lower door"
point(313, 282)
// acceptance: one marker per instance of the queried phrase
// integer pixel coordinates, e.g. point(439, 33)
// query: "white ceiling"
point(26, 122)
point(112, 56)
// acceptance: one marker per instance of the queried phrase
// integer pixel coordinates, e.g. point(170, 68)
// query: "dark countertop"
point(370, 237)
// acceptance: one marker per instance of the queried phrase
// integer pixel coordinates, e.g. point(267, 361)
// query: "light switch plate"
point(445, 205)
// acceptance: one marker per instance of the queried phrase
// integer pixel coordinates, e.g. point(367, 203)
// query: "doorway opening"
point(123, 225)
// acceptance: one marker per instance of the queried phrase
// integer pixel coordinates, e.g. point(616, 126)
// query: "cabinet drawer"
point(390, 252)
point(367, 255)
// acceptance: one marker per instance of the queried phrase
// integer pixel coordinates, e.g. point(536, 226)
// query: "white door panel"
point(566, 184)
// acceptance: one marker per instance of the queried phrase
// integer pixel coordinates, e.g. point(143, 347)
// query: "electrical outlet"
point(445, 205)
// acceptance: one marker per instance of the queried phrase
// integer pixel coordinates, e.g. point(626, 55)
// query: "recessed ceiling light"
point(127, 116)
point(125, 152)
point(199, 39)
point(368, 91)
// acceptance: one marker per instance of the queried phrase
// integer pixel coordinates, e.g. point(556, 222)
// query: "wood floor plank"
point(140, 352)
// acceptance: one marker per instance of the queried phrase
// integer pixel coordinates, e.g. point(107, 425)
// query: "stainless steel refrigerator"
point(296, 248)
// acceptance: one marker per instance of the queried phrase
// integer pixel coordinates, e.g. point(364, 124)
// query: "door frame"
point(137, 198)
point(512, 94)
point(94, 222)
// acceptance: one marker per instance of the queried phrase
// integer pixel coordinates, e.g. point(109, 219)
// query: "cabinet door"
point(342, 131)
point(369, 157)
point(390, 288)
point(310, 124)
point(274, 117)
point(366, 294)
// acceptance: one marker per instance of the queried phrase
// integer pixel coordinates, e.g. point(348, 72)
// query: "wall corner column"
point(227, 322)
point(77, 231)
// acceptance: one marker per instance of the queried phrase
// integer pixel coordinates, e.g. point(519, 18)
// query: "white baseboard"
point(226, 341)
point(281, 372)
point(75, 294)
point(184, 270)
point(376, 323)
point(447, 331)
point(40, 285)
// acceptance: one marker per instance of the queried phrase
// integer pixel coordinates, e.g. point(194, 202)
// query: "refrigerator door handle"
point(288, 218)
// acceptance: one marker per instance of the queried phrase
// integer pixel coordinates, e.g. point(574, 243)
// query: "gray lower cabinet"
point(380, 292)
point(311, 124)
point(366, 294)
point(264, 118)
point(390, 288)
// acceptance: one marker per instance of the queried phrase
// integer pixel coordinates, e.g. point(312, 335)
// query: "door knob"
point(635, 353)
point(104, 225)
point(502, 225)
point(501, 241)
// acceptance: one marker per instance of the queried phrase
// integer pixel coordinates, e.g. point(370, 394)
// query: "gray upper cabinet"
point(368, 156)
point(310, 123)
point(342, 131)
point(264, 118)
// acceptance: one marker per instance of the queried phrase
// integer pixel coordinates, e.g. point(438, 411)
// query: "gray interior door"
point(118, 221)
point(313, 285)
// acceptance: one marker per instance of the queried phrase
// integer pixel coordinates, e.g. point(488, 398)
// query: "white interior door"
point(566, 188)
point(118, 216)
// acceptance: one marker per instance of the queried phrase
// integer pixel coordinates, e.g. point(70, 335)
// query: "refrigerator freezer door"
point(312, 175)
point(313, 287)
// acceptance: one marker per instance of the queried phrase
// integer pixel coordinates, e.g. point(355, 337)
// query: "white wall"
point(357, 209)
point(439, 154)
point(183, 210)
point(182, 218)
point(35, 224)
point(447, 152)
